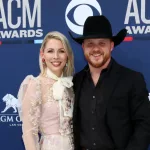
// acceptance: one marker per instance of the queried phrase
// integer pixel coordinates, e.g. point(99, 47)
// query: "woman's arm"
point(29, 113)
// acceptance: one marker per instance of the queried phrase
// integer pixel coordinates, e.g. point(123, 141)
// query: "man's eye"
point(102, 44)
point(89, 44)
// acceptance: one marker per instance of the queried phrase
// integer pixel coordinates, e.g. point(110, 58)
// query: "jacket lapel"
point(78, 83)
point(110, 83)
point(78, 90)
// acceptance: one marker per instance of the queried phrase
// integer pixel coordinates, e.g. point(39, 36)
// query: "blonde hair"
point(69, 69)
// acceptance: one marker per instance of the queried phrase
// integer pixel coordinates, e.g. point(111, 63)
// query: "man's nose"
point(96, 47)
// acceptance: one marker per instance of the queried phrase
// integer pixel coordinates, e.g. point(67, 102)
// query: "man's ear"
point(112, 45)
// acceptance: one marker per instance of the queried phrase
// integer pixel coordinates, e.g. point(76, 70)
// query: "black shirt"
point(94, 132)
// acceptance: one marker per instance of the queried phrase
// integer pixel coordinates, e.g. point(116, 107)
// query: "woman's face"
point(55, 56)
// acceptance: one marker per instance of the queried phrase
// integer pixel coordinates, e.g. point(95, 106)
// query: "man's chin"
point(96, 65)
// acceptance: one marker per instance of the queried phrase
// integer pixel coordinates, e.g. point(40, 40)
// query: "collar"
point(60, 84)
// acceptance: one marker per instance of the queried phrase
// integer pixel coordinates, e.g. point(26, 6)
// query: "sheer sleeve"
point(29, 111)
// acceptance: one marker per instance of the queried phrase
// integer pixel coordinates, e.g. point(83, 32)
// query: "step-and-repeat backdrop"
point(24, 23)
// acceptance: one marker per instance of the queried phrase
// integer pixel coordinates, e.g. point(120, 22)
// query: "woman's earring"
point(66, 65)
point(43, 61)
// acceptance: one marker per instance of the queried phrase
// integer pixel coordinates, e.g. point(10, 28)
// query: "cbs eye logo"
point(78, 11)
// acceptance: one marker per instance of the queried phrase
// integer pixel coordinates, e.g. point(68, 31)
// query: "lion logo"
point(10, 101)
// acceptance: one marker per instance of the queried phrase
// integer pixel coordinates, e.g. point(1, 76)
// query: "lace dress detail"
point(41, 113)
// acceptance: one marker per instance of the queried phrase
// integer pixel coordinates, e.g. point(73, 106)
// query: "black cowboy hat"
point(99, 27)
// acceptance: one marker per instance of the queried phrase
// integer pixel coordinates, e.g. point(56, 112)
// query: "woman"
point(46, 101)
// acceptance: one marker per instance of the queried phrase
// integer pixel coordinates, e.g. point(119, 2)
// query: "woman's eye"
point(62, 51)
point(50, 51)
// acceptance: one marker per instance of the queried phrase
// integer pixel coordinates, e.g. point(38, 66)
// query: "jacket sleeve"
point(74, 82)
point(140, 115)
point(75, 118)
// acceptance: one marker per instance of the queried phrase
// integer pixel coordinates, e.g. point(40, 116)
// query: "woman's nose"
point(56, 55)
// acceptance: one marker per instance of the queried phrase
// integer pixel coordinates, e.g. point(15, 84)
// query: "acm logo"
point(81, 10)
point(24, 23)
point(136, 18)
point(11, 105)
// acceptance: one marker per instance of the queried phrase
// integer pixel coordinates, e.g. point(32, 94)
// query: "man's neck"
point(96, 72)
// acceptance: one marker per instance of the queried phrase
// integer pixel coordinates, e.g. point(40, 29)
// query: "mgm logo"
point(11, 104)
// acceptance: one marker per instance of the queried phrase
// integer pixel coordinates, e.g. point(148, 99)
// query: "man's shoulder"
point(129, 72)
point(80, 73)
point(130, 76)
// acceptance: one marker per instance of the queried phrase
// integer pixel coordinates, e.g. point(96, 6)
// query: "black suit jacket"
point(127, 108)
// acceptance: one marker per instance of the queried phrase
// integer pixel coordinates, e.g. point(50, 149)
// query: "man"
point(111, 110)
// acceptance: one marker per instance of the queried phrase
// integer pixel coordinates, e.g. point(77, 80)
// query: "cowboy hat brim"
point(116, 39)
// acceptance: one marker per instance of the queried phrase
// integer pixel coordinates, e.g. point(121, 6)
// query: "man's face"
point(97, 51)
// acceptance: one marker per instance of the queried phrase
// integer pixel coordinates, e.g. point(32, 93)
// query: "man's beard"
point(98, 64)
